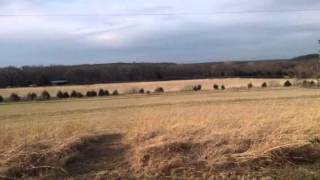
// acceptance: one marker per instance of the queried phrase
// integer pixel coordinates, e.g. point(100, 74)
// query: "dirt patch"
point(77, 156)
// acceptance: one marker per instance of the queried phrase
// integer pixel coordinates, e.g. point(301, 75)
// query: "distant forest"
point(300, 67)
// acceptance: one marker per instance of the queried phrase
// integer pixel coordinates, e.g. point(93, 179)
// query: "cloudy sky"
point(43, 32)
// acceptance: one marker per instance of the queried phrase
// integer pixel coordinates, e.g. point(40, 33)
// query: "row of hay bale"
point(45, 95)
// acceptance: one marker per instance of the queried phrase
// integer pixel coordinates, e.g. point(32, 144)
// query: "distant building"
point(59, 82)
point(33, 85)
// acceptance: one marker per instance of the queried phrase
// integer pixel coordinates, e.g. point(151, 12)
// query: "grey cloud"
point(167, 38)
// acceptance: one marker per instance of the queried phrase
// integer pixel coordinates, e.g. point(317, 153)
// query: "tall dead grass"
point(222, 136)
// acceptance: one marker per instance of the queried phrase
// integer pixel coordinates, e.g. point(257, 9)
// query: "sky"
point(51, 32)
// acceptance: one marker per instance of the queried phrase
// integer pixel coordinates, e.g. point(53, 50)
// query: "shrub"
point(223, 87)
point(66, 95)
point(305, 83)
point(141, 91)
point(79, 95)
point(91, 94)
point(287, 84)
point(250, 85)
point(74, 94)
point(197, 88)
point(148, 92)
point(63, 95)
point(264, 85)
point(215, 87)
point(31, 96)
point(106, 93)
point(60, 94)
point(159, 90)
point(45, 95)
point(15, 97)
point(101, 92)
point(309, 83)
point(1, 99)
point(312, 83)
point(115, 93)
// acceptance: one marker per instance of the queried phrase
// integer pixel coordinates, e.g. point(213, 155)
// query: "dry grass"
point(168, 86)
point(197, 135)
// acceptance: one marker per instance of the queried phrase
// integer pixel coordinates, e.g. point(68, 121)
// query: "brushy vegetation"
point(66, 95)
point(79, 95)
point(287, 84)
point(63, 95)
point(60, 95)
point(74, 94)
point(115, 92)
point(250, 85)
point(264, 85)
point(103, 92)
point(141, 91)
point(223, 87)
point(309, 84)
point(159, 90)
point(31, 96)
point(1, 99)
point(92, 93)
point(216, 87)
point(45, 95)
point(15, 97)
point(197, 88)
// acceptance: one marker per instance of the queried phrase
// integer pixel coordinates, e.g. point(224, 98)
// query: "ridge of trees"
point(300, 67)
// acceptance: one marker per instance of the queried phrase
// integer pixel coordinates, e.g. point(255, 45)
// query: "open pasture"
point(169, 86)
point(237, 132)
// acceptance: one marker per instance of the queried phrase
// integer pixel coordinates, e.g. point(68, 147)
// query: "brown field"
point(238, 133)
point(167, 85)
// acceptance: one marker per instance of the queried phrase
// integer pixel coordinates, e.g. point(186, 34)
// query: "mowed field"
point(169, 86)
point(236, 133)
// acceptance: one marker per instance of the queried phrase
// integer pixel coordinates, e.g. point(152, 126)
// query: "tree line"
point(300, 67)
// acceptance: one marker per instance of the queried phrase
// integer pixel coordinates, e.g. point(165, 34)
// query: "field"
point(237, 133)
point(171, 86)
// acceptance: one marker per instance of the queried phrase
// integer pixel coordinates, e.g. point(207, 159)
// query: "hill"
point(301, 67)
